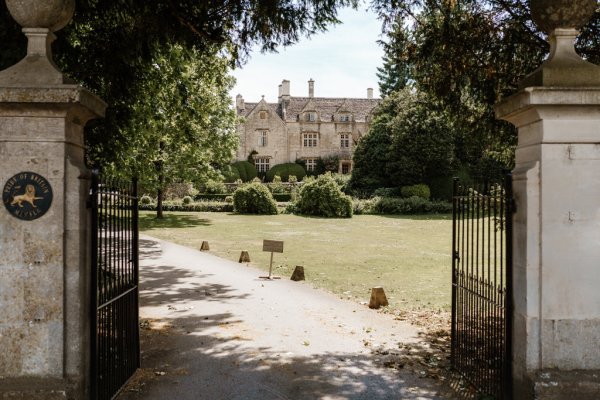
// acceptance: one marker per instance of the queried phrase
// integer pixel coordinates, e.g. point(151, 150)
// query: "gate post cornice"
point(44, 273)
point(556, 241)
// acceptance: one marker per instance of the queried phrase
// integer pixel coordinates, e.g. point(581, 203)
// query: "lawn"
point(408, 256)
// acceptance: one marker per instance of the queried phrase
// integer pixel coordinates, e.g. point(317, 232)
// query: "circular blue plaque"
point(27, 196)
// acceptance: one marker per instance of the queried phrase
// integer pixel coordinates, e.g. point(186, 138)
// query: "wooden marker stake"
point(273, 246)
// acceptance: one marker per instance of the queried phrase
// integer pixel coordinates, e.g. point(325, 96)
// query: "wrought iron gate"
point(115, 345)
point(482, 285)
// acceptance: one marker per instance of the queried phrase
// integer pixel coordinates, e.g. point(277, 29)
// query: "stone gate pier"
point(556, 337)
point(44, 283)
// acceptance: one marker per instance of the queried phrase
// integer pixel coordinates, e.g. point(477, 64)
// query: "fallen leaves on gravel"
point(430, 357)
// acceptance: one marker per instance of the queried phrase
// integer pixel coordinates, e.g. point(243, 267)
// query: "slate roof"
point(325, 106)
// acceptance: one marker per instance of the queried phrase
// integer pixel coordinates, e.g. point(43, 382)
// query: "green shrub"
point(214, 197)
point(276, 186)
point(246, 170)
point(254, 198)
point(229, 199)
point(215, 187)
point(202, 206)
point(230, 173)
point(411, 205)
point(386, 192)
point(145, 200)
point(323, 197)
point(284, 171)
point(292, 179)
point(420, 190)
point(186, 200)
point(363, 206)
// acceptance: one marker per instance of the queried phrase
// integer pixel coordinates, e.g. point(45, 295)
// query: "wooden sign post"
point(273, 246)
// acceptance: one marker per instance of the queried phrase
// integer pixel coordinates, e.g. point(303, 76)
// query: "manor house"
point(302, 128)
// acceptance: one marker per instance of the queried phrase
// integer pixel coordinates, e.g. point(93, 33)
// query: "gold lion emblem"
point(28, 196)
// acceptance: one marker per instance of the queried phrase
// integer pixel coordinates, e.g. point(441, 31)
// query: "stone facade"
point(302, 128)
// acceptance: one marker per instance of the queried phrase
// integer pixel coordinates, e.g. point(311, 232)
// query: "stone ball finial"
point(50, 14)
point(549, 15)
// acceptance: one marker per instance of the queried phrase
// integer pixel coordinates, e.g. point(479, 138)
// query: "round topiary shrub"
point(230, 173)
point(254, 198)
point(284, 171)
point(323, 197)
point(420, 190)
point(145, 200)
point(246, 170)
point(186, 200)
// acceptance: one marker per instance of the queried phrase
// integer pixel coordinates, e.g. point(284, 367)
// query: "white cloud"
point(343, 62)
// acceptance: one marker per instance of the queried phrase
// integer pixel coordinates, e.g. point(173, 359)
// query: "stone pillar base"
point(37, 389)
point(567, 385)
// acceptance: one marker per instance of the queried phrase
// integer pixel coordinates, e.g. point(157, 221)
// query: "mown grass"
point(408, 256)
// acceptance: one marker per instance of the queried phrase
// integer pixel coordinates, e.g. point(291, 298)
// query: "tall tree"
point(410, 141)
point(465, 55)
point(110, 45)
point(395, 73)
point(182, 125)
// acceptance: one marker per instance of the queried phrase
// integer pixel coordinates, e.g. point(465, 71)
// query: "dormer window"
point(311, 116)
point(345, 118)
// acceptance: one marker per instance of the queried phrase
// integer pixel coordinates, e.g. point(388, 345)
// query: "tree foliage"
point(409, 141)
point(182, 125)
point(111, 46)
point(462, 57)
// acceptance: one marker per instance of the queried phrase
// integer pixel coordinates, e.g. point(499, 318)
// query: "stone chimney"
point(284, 97)
point(239, 103)
point(369, 93)
point(284, 88)
point(311, 88)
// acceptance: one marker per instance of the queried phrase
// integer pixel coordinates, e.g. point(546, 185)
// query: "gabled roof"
point(324, 106)
point(328, 107)
point(249, 107)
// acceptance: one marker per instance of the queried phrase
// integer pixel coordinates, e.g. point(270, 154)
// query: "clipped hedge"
point(203, 206)
point(284, 171)
point(282, 197)
point(420, 190)
point(246, 170)
point(254, 198)
point(411, 205)
point(207, 196)
point(323, 197)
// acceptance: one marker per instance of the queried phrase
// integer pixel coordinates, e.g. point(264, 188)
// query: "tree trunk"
point(161, 183)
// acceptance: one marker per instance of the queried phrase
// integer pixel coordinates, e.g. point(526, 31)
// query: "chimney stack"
point(311, 88)
point(284, 88)
point(369, 93)
point(239, 102)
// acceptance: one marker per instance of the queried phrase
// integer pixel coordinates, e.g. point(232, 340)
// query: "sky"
point(343, 62)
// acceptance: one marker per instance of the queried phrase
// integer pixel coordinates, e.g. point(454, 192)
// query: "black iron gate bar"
point(115, 352)
point(481, 285)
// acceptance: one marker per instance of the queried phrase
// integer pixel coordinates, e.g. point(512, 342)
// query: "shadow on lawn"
point(148, 221)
